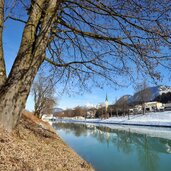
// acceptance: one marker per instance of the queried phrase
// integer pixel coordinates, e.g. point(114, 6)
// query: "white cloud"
point(89, 105)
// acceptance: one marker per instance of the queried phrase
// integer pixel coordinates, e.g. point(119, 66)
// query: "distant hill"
point(155, 92)
point(123, 99)
point(159, 90)
point(57, 110)
point(164, 98)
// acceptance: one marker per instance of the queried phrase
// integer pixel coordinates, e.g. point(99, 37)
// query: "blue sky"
point(12, 37)
point(93, 98)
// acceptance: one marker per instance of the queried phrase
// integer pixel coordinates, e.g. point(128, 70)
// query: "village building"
point(167, 106)
point(154, 106)
point(149, 107)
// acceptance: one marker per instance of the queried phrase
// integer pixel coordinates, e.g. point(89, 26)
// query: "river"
point(119, 148)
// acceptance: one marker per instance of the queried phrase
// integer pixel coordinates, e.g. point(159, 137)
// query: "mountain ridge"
point(155, 91)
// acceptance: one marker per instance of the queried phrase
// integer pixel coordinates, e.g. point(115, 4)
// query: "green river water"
point(114, 149)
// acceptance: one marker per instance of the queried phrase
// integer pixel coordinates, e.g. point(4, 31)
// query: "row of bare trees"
point(43, 92)
point(77, 111)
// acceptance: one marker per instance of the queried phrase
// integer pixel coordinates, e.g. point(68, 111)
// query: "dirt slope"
point(34, 146)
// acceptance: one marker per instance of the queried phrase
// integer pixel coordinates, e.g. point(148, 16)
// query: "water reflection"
point(147, 150)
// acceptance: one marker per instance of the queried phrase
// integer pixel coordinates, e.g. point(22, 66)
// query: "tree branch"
point(69, 63)
point(17, 19)
point(93, 35)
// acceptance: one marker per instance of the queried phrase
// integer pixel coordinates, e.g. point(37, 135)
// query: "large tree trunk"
point(13, 98)
point(2, 63)
point(14, 92)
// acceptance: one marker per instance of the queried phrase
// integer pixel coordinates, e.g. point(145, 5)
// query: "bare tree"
point(79, 111)
point(68, 113)
point(122, 105)
point(143, 93)
point(116, 107)
point(43, 92)
point(50, 103)
point(89, 39)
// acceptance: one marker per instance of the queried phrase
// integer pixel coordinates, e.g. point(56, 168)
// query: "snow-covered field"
point(162, 119)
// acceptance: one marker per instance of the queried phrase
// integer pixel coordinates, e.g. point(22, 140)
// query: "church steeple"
point(106, 98)
point(106, 102)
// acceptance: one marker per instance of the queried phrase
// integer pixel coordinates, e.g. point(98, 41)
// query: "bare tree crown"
point(105, 39)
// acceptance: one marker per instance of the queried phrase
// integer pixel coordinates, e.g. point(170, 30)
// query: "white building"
point(154, 106)
point(48, 117)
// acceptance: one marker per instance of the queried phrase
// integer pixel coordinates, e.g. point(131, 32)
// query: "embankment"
point(34, 146)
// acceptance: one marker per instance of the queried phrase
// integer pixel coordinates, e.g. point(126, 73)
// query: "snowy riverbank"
point(156, 124)
point(160, 119)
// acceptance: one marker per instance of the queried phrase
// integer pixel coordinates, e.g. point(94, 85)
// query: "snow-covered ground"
point(159, 132)
point(162, 119)
point(152, 124)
